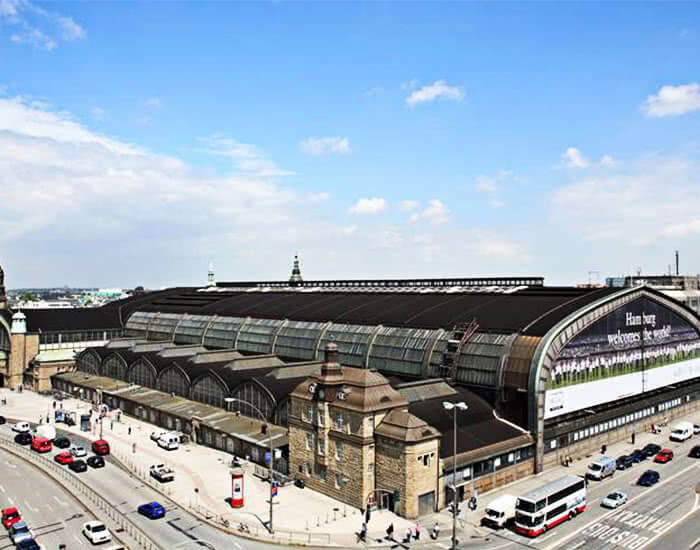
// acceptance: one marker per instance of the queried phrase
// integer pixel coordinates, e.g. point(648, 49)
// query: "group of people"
point(569, 370)
point(412, 533)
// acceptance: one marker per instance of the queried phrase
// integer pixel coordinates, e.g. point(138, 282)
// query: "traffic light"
point(451, 508)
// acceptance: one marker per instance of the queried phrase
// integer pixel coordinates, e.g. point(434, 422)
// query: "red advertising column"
point(237, 487)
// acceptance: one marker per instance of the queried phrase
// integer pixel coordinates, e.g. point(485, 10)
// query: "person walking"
point(390, 531)
point(407, 537)
point(416, 534)
point(435, 532)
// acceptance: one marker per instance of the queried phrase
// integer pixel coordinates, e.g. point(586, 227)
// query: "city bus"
point(549, 505)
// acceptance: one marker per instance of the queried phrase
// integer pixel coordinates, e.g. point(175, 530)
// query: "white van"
point(681, 431)
point(601, 467)
point(47, 431)
point(21, 427)
point(169, 441)
point(499, 511)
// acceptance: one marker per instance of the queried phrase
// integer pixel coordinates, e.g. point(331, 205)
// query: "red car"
point(665, 455)
point(100, 447)
point(64, 458)
point(10, 516)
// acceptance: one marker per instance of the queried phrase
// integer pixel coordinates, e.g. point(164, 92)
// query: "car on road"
point(64, 457)
point(96, 462)
point(648, 478)
point(155, 436)
point(23, 438)
point(21, 427)
point(152, 510)
point(162, 473)
point(78, 465)
point(3, 420)
point(624, 462)
point(100, 447)
point(637, 456)
point(694, 452)
point(696, 428)
point(78, 451)
point(614, 500)
point(28, 544)
point(96, 532)
point(41, 445)
point(664, 456)
point(10, 516)
point(651, 449)
point(19, 532)
point(61, 442)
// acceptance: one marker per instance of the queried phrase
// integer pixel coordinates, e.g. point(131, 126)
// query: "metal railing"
point(100, 506)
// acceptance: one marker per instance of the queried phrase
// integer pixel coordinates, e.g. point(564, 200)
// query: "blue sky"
point(376, 139)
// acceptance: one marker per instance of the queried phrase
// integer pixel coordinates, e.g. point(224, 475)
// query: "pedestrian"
point(435, 532)
point(54, 405)
point(129, 430)
point(390, 531)
point(363, 532)
point(407, 537)
point(111, 424)
point(416, 534)
point(60, 405)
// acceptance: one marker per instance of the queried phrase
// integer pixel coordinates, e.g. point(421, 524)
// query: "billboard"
point(637, 348)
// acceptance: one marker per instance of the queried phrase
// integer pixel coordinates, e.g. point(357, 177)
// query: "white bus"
point(549, 505)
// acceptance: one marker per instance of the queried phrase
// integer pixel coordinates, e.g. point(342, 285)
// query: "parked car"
point(3, 420)
point(696, 428)
point(637, 456)
point(61, 442)
point(694, 452)
point(155, 436)
point(100, 447)
point(78, 465)
point(10, 516)
point(41, 445)
point(78, 451)
point(614, 500)
point(28, 544)
point(664, 456)
point(601, 467)
point(648, 478)
point(624, 462)
point(23, 438)
point(96, 462)
point(152, 510)
point(20, 531)
point(64, 457)
point(162, 473)
point(96, 532)
point(651, 449)
point(681, 431)
point(21, 427)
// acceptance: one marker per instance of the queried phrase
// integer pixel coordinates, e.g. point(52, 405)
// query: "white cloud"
point(485, 184)
point(408, 205)
point(153, 103)
point(319, 197)
point(322, 145)
point(248, 158)
point(439, 89)
point(573, 158)
point(436, 213)
point(673, 101)
point(350, 229)
point(495, 203)
point(608, 160)
point(690, 227)
point(98, 113)
point(368, 206)
point(36, 26)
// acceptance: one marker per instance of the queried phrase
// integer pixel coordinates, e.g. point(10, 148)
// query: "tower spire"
point(211, 281)
point(295, 279)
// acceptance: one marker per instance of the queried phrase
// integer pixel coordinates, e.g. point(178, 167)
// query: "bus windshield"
point(525, 505)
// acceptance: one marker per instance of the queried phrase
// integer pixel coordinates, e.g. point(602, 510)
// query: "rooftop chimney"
point(331, 368)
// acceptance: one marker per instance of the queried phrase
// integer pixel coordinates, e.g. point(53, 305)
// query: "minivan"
point(41, 445)
point(169, 441)
point(681, 431)
point(601, 467)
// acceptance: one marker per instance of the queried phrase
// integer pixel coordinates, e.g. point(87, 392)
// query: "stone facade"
point(24, 348)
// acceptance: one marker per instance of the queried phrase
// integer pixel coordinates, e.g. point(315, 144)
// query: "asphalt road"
point(662, 516)
point(51, 512)
point(126, 493)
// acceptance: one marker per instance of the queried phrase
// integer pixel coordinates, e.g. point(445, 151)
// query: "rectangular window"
point(322, 472)
point(309, 413)
point(370, 468)
point(309, 442)
point(339, 481)
point(321, 446)
point(339, 451)
point(340, 422)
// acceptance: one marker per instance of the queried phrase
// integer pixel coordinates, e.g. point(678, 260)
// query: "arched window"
point(142, 373)
point(114, 367)
point(255, 394)
point(173, 380)
point(208, 389)
point(89, 362)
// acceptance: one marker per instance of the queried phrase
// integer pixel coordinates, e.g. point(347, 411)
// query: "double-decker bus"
point(549, 505)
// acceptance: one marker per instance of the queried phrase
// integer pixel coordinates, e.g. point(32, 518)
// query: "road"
point(51, 512)
point(662, 516)
point(126, 493)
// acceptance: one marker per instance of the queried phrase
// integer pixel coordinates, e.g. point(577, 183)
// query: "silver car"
point(614, 500)
point(78, 451)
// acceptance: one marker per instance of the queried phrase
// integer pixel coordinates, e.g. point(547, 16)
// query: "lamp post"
point(454, 407)
point(230, 400)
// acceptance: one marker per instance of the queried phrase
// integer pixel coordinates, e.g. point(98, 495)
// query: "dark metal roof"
point(532, 310)
point(61, 320)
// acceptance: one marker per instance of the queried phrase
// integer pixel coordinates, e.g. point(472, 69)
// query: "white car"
point(21, 427)
point(614, 500)
point(155, 436)
point(696, 429)
point(96, 532)
point(78, 451)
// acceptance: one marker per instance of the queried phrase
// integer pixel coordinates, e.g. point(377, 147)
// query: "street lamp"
point(230, 400)
point(454, 407)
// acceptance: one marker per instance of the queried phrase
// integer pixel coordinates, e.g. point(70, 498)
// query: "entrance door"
point(426, 503)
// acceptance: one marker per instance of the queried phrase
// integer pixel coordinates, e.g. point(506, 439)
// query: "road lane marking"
point(80, 542)
point(30, 506)
point(11, 501)
point(60, 501)
point(579, 545)
point(607, 515)
point(673, 524)
point(2, 488)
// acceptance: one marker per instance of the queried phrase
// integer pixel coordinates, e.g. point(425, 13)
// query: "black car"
point(28, 544)
point(624, 462)
point(78, 466)
point(96, 462)
point(648, 478)
point(637, 456)
point(24, 438)
point(694, 452)
point(61, 442)
point(3, 420)
point(651, 449)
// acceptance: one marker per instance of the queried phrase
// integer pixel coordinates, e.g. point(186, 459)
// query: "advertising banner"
point(637, 348)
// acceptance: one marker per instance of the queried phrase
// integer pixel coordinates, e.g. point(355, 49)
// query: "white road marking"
point(9, 464)
point(11, 501)
point(60, 501)
point(2, 488)
point(237, 545)
point(80, 542)
point(574, 547)
point(673, 524)
point(30, 506)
